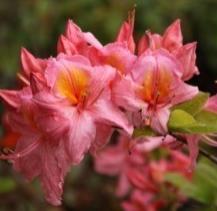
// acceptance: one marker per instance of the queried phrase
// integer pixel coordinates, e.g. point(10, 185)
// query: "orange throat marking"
point(156, 86)
point(73, 85)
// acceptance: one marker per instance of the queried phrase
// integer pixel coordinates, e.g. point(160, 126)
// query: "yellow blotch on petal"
point(73, 85)
point(156, 86)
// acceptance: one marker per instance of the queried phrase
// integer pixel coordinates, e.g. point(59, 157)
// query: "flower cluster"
point(141, 179)
point(71, 104)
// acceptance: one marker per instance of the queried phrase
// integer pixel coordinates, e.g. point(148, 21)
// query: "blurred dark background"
point(36, 25)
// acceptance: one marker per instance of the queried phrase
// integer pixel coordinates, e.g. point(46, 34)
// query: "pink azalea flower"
point(35, 154)
point(154, 86)
point(57, 116)
point(171, 41)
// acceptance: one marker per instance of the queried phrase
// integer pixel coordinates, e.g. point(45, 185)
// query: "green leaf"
point(202, 123)
point(185, 186)
point(194, 105)
point(145, 131)
point(180, 120)
point(203, 186)
point(206, 123)
point(207, 117)
point(208, 173)
point(200, 188)
point(6, 184)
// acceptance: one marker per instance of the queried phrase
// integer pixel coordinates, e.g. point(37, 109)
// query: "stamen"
point(96, 98)
point(22, 153)
point(209, 141)
point(23, 79)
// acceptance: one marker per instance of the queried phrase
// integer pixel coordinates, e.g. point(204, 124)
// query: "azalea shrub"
point(120, 103)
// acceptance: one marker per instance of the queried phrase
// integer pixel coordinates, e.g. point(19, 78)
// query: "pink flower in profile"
point(172, 41)
point(154, 85)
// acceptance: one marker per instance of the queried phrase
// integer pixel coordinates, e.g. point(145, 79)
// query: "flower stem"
point(202, 151)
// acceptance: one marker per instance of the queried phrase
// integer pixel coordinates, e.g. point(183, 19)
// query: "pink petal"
point(150, 143)
point(192, 141)
point(149, 40)
point(124, 95)
point(103, 135)
point(65, 46)
point(100, 85)
point(72, 31)
point(183, 92)
point(110, 161)
point(64, 63)
point(30, 63)
point(159, 120)
point(211, 104)
point(51, 115)
point(187, 57)
point(106, 112)
point(172, 38)
point(29, 166)
point(154, 61)
point(37, 83)
point(10, 97)
point(126, 32)
point(115, 55)
point(90, 39)
point(143, 44)
point(140, 180)
point(81, 135)
point(79, 38)
point(54, 166)
point(123, 185)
